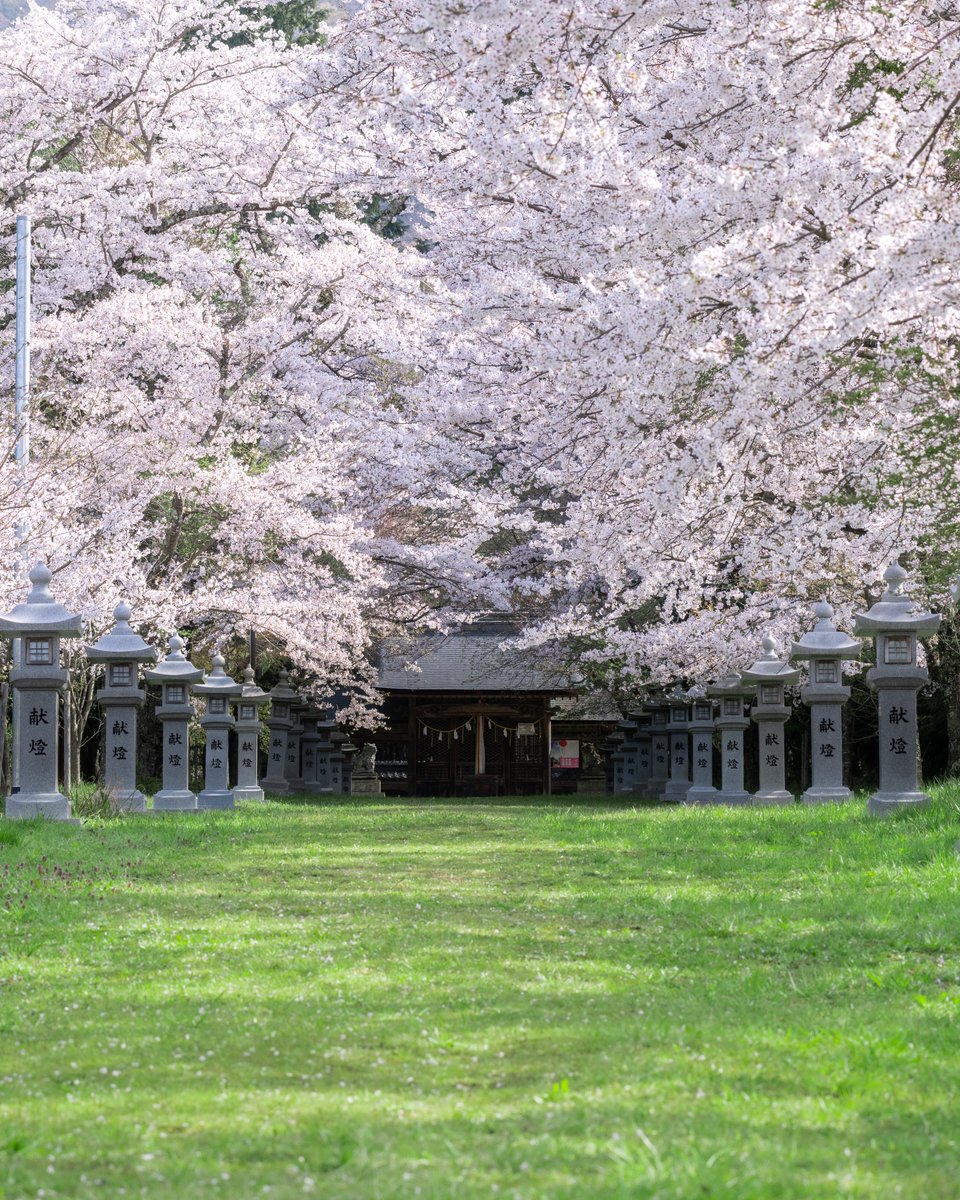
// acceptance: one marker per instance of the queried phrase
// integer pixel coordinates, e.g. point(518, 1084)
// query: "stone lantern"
point(279, 723)
point(347, 750)
point(219, 689)
point(678, 784)
point(121, 651)
point(896, 624)
point(659, 748)
point(309, 745)
point(730, 724)
point(175, 674)
point(701, 790)
point(37, 678)
point(326, 758)
point(825, 648)
point(292, 770)
point(644, 749)
point(771, 676)
point(625, 758)
point(248, 738)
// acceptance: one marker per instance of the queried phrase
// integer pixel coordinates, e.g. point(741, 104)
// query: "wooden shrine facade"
point(469, 719)
point(457, 744)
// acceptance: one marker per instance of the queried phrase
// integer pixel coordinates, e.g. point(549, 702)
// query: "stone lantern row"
point(652, 758)
point(38, 679)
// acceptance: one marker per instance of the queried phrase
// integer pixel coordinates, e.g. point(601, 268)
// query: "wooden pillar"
point(411, 745)
point(547, 738)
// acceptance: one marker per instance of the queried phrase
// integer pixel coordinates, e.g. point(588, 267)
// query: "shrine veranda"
point(398, 999)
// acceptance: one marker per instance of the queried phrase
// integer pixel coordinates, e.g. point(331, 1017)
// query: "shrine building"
point(467, 718)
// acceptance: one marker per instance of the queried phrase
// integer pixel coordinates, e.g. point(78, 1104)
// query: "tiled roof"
point(469, 661)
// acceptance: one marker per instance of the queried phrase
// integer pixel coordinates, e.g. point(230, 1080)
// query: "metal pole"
point(22, 447)
point(22, 402)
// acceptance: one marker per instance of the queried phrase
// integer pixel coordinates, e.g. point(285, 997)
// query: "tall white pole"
point(21, 451)
point(22, 402)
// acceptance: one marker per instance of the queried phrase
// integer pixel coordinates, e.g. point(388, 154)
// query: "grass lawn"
point(521, 999)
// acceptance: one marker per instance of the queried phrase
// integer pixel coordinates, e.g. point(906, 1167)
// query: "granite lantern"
point(896, 624)
point(309, 742)
point(346, 749)
point(701, 790)
point(825, 648)
point(327, 761)
point(644, 742)
point(771, 675)
point(37, 678)
point(278, 724)
point(218, 689)
point(121, 651)
point(731, 724)
point(678, 785)
point(625, 758)
point(175, 674)
point(248, 738)
point(659, 748)
point(292, 770)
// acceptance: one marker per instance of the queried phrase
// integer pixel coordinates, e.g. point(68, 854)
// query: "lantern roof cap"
point(283, 691)
point(121, 643)
point(770, 668)
point(175, 667)
point(40, 612)
point(251, 690)
point(217, 682)
point(824, 640)
point(894, 612)
point(729, 685)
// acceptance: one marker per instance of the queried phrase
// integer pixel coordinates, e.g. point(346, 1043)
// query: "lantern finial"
point(895, 577)
point(40, 577)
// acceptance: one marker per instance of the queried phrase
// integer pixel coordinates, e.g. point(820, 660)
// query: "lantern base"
point(24, 806)
point(702, 795)
point(676, 789)
point(723, 797)
point(173, 800)
point(129, 802)
point(248, 793)
point(826, 795)
point(882, 804)
point(318, 789)
point(215, 799)
point(276, 787)
point(778, 797)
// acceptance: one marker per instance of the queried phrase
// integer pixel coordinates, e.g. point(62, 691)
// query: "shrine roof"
point(470, 660)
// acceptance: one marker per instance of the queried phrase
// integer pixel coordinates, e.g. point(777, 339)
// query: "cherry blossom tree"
point(665, 345)
point(225, 422)
point(700, 264)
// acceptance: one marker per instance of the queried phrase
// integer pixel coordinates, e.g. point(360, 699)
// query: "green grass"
point(462, 1000)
